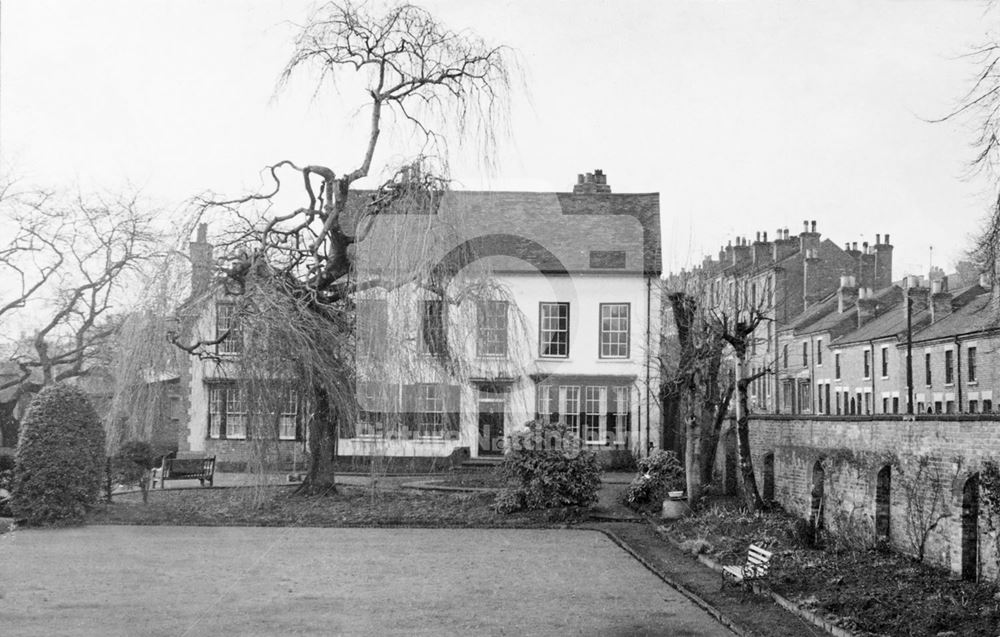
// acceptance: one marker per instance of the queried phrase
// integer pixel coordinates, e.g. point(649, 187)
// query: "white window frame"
point(615, 330)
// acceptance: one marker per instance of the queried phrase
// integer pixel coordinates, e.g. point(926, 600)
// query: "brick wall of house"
point(232, 455)
point(852, 451)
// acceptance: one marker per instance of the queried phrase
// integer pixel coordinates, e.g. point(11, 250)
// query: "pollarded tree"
point(446, 86)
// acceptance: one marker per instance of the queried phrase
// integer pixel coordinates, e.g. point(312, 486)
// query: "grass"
point(350, 506)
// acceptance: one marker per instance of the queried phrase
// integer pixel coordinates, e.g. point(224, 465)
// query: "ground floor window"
point(226, 412)
point(599, 413)
point(406, 411)
point(230, 414)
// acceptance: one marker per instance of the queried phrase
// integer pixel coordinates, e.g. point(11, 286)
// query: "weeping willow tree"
point(290, 254)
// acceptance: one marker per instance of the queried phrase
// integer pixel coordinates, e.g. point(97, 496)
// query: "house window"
point(819, 399)
point(619, 425)
point(227, 417)
point(569, 406)
point(288, 416)
point(949, 367)
point(971, 357)
point(885, 362)
point(544, 408)
point(973, 406)
point(491, 341)
point(784, 355)
point(228, 331)
point(378, 403)
point(554, 329)
point(372, 326)
point(595, 414)
point(927, 369)
point(432, 328)
point(867, 363)
point(836, 366)
point(430, 411)
point(805, 354)
point(819, 352)
point(614, 330)
point(987, 406)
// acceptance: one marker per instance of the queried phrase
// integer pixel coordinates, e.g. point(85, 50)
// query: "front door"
point(492, 406)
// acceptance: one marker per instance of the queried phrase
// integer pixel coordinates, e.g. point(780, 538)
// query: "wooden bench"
point(756, 567)
point(201, 469)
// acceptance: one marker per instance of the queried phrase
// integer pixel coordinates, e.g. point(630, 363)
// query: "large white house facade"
point(514, 306)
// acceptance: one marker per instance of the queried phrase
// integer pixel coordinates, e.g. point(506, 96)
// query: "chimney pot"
point(765, 236)
point(887, 239)
point(854, 246)
point(758, 236)
point(814, 225)
point(805, 226)
point(579, 178)
point(878, 239)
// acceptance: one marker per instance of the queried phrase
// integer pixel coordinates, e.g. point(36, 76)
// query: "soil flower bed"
point(869, 592)
point(350, 506)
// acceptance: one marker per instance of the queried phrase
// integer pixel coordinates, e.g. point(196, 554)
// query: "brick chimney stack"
point(201, 261)
point(763, 251)
point(916, 292)
point(809, 239)
point(883, 263)
point(784, 245)
point(810, 278)
point(940, 300)
point(847, 293)
point(592, 183)
point(867, 305)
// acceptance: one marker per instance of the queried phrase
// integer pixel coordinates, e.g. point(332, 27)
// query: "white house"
point(521, 305)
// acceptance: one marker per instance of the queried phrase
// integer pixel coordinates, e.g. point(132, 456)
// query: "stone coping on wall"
point(881, 417)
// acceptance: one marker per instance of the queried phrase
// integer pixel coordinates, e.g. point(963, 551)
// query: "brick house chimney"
point(809, 239)
point(920, 295)
point(867, 262)
point(940, 300)
point(883, 262)
point(592, 183)
point(847, 293)
point(741, 252)
point(201, 261)
point(811, 292)
point(783, 245)
point(867, 305)
point(763, 251)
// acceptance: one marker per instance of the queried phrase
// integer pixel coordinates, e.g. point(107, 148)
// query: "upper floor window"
point(819, 352)
point(228, 331)
point(885, 362)
point(433, 334)
point(805, 353)
point(868, 363)
point(614, 330)
point(784, 355)
point(836, 366)
point(949, 367)
point(491, 332)
point(553, 333)
point(927, 369)
point(971, 357)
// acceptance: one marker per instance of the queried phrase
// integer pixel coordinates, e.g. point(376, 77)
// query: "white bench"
point(756, 567)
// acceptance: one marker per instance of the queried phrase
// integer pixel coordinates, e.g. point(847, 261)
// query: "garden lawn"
point(350, 506)
point(869, 592)
point(193, 581)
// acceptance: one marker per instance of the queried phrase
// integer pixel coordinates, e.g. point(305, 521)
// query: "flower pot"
point(675, 507)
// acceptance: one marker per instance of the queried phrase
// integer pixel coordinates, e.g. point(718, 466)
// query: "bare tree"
point(443, 84)
point(737, 323)
point(69, 263)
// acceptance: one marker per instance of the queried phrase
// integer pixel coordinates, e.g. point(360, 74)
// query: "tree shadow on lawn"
point(350, 506)
point(869, 591)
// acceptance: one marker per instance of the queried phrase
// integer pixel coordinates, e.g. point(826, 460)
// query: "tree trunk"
point(751, 495)
point(715, 414)
point(692, 459)
point(8, 423)
point(322, 448)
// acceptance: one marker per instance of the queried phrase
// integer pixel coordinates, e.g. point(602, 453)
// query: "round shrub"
point(59, 459)
point(546, 466)
point(6, 482)
point(659, 473)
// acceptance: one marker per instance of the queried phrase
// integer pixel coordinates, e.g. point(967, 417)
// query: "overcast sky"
point(743, 116)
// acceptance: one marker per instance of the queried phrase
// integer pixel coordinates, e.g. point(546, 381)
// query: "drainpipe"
point(649, 288)
point(909, 355)
point(958, 373)
point(812, 374)
point(871, 348)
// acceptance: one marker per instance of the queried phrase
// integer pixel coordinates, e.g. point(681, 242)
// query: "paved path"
point(308, 581)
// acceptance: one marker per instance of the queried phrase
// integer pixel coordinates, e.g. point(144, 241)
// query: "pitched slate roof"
point(528, 231)
point(975, 316)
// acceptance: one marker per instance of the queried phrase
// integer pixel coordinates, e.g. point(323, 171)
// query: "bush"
point(59, 459)
point(546, 466)
point(659, 473)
